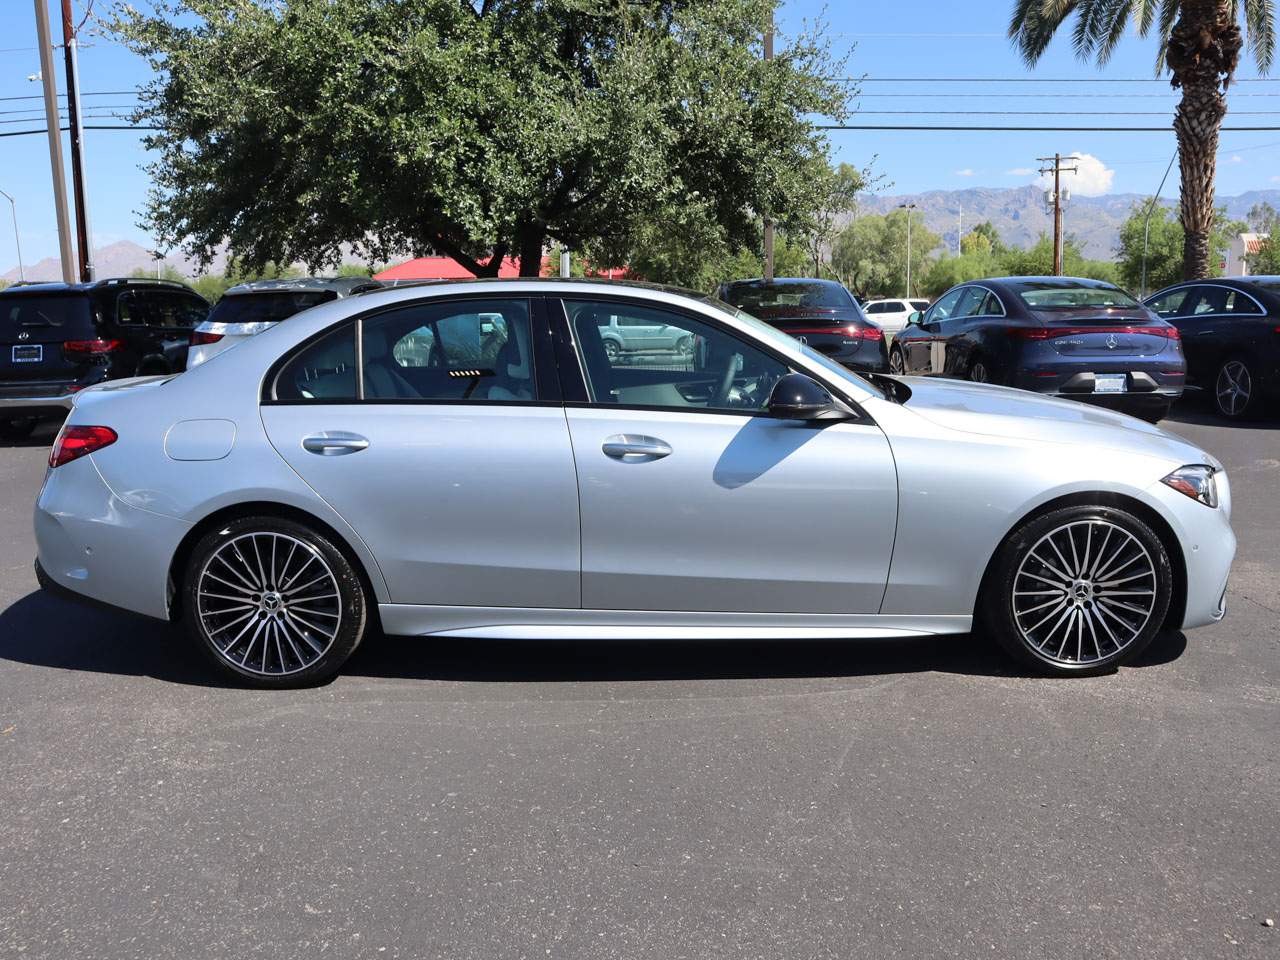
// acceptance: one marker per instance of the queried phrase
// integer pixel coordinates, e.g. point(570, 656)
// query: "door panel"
point(748, 514)
point(466, 505)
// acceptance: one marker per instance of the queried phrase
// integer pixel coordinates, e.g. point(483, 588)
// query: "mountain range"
point(1019, 215)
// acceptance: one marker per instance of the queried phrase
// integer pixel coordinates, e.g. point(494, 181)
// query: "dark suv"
point(57, 338)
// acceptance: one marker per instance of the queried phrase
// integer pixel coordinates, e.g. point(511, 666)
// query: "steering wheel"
point(721, 397)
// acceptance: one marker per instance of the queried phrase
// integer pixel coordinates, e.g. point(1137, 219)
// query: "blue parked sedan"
point(1066, 336)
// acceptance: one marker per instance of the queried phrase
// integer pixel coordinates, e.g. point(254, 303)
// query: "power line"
point(1043, 96)
point(84, 93)
point(1053, 113)
point(1032, 80)
point(87, 126)
point(992, 129)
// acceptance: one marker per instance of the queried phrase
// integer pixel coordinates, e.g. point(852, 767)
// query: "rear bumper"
point(36, 405)
point(93, 544)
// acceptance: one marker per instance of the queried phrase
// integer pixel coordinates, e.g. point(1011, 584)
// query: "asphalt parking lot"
point(491, 800)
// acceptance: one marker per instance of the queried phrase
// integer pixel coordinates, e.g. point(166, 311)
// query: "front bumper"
point(1208, 546)
point(92, 543)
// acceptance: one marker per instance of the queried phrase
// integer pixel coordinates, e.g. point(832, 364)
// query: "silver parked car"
point(503, 477)
point(247, 309)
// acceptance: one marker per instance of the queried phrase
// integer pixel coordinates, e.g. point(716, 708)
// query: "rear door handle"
point(334, 443)
point(631, 448)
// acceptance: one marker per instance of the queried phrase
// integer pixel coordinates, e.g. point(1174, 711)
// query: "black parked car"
point(57, 338)
point(1231, 336)
point(1075, 338)
point(821, 313)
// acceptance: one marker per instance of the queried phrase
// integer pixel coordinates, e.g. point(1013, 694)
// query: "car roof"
point(342, 286)
point(109, 283)
point(1072, 281)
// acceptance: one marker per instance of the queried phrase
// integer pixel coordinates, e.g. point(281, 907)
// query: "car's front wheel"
point(1078, 591)
point(273, 603)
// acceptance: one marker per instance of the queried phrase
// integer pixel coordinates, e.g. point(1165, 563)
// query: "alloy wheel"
point(895, 362)
point(268, 603)
point(1234, 388)
point(978, 372)
point(1084, 592)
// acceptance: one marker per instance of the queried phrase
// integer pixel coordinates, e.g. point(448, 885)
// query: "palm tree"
point(1199, 44)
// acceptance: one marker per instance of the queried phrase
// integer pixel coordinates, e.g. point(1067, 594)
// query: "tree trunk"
point(1204, 48)
point(532, 239)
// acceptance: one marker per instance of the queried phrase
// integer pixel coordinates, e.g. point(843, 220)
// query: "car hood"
point(1020, 414)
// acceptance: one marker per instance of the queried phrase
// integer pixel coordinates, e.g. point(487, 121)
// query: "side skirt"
point(541, 623)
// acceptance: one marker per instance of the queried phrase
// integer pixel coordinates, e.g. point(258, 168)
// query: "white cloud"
point(1236, 158)
point(1092, 179)
point(966, 172)
point(1275, 179)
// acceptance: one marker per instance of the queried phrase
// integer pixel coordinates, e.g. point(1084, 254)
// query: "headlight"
point(1197, 482)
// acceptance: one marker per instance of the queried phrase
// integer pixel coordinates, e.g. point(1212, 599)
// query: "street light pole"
point(768, 221)
point(17, 240)
point(908, 207)
point(53, 127)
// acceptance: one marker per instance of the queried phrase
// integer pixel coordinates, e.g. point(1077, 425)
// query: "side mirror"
point(916, 317)
point(798, 397)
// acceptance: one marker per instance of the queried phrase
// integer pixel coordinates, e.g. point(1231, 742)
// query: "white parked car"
point(247, 309)
point(892, 314)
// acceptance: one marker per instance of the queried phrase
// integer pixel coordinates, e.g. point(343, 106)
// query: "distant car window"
point(897, 306)
point(1170, 304)
point(877, 307)
point(709, 369)
point(1066, 295)
point(469, 350)
point(946, 306)
point(920, 305)
point(266, 307)
point(24, 312)
point(139, 308)
point(1241, 304)
point(325, 370)
point(990, 306)
point(970, 304)
point(758, 294)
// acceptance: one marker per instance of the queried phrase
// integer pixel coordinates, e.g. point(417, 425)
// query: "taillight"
point(87, 348)
point(851, 331)
point(75, 441)
point(198, 337)
point(1050, 333)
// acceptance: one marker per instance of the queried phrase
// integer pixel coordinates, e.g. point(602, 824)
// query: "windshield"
point(787, 342)
point(25, 312)
point(1065, 295)
point(757, 294)
point(266, 307)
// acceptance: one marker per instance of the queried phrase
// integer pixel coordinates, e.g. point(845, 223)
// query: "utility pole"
point(908, 207)
point(54, 126)
point(768, 223)
point(84, 235)
point(17, 239)
point(959, 226)
point(1057, 170)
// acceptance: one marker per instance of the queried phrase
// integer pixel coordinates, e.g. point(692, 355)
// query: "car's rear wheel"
point(978, 372)
point(612, 350)
point(1078, 591)
point(1234, 388)
point(273, 603)
point(17, 429)
point(896, 362)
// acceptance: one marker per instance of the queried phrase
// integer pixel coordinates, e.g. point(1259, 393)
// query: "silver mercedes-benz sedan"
point(465, 459)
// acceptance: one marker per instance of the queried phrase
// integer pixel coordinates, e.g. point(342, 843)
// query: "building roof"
point(443, 268)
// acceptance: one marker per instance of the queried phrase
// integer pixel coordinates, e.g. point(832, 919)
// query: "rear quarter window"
point(29, 314)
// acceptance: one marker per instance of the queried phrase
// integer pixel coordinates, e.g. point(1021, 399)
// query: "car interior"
point(721, 373)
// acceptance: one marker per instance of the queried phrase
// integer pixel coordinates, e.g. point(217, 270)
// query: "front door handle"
point(334, 443)
point(630, 448)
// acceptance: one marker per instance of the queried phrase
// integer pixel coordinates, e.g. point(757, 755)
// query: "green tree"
point(1037, 261)
point(476, 130)
point(1262, 218)
point(1199, 43)
point(870, 254)
point(947, 271)
point(840, 196)
point(984, 238)
point(1164, 247)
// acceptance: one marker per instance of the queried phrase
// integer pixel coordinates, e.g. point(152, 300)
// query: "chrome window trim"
point(1191, 285)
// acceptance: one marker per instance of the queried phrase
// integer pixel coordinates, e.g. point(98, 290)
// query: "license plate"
point(28, 353)
point(1109, 383)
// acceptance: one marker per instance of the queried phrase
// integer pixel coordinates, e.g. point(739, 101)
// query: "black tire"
point(612, 350)
point(978, 371)
point(17, 429)
point(1038, 555)
point(897, 363)
point(1236, 388)
point(304, 572)
point(1153, 414)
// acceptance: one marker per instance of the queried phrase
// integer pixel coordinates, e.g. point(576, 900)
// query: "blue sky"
point(907, 38)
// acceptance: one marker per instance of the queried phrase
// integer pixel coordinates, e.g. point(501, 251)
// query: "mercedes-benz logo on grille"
point(1112, 341)
point(24, 335)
